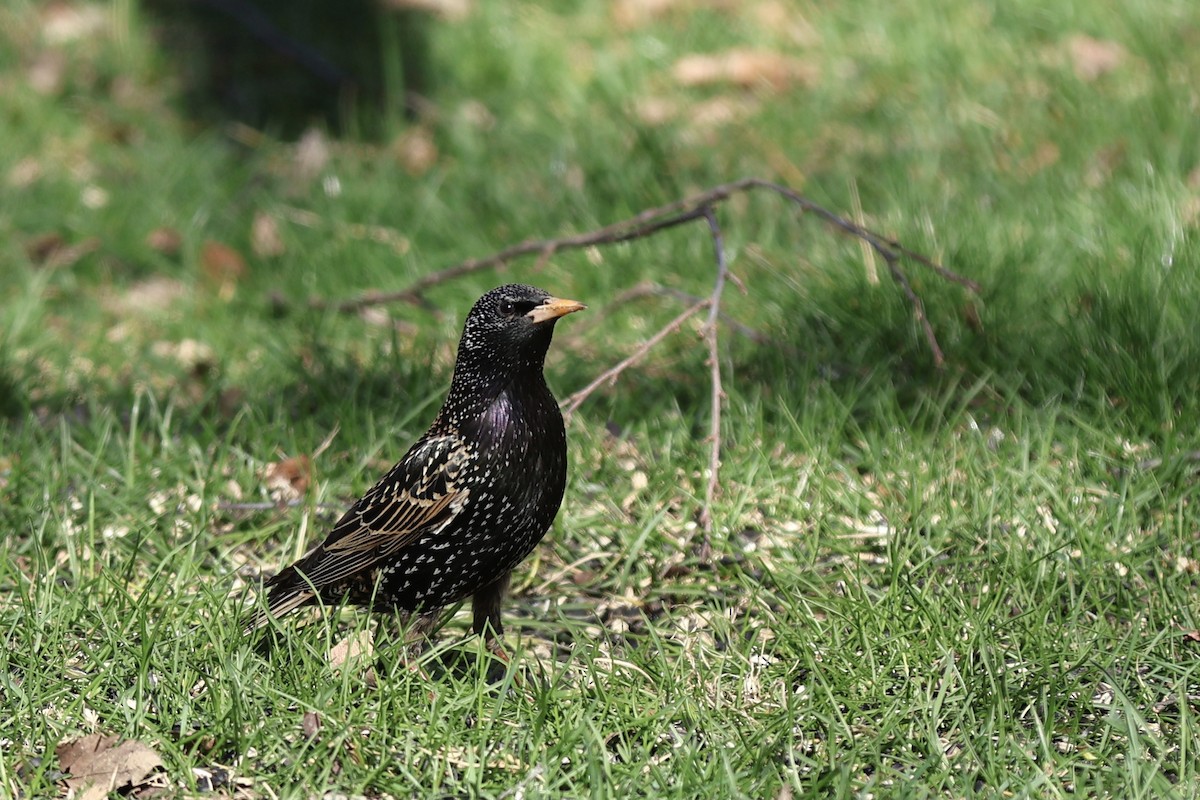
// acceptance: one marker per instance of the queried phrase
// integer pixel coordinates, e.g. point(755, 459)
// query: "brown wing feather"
point(420, 494)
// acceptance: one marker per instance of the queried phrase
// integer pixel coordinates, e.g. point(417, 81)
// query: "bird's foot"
point(497, 672)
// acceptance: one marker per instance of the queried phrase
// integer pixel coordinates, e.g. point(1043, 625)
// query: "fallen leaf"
point(634, 13)
point(310, 723)
point(47, 72)
point(24, 173)
point(165, 240)
point(416, 151)
point(41, 247)
point(1045, 155)
point(1092, 57)
point(745, 69)
point(1102, 164)
point(655, 110)
point(50, 250)
point(223, 266)
point(311, 154)
point(721, 110)
point(100, 764)
point(68, 22)
point(351, 649)
point(777, 17)
point(194, 356)
point(153, 294)
point(1189, 212)
point(93, 197)
point(289, 478)
point(1192, 636)
point(637, 483)
point(264, 236)
point(476, 114)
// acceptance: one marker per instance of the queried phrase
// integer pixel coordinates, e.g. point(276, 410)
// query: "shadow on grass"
point(1130, 351)
point(283, 66)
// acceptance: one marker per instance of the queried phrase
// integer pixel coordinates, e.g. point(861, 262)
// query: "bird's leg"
point(485, 605)
point(417, 628)
point(412, 631)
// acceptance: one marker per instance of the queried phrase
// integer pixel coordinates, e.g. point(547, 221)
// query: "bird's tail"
point(283, 597)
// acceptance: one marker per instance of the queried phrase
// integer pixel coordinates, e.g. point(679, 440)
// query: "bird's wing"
point(422, 493)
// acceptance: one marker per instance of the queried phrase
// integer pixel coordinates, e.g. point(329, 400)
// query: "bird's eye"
point(507, 307)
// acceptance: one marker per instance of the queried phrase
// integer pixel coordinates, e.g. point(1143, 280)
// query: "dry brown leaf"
point(100, 764)
point(476, 115)
point(165, 240)
point(655, 110)
point(310, 723)
point(51, 251)
point(153, 294)
point(264, 236)
point(1193, 178)
point(289, 478)
point(40, 248)
point(745, 69)
point(311, 154)
point(68, 22)
point(357, 646)
point(1102, 164)
point(194, 356)
point(778, 17)
point(637, 484)
point(721, 110)
point(1092, 57)
point(1045, 155)
point(47, 73)
point(24, 173)
point(416, 151)
point(223, 266)
point(634, 13)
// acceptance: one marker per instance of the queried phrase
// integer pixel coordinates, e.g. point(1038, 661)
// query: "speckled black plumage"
point(471, 498)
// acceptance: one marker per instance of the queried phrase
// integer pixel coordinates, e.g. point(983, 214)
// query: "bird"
point(468, 501)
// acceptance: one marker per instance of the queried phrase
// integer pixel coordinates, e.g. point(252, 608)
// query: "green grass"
point(973, 582)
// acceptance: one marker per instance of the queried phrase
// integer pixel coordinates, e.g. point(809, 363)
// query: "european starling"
point(470, 500)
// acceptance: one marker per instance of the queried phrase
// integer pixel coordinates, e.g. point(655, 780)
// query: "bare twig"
point(718, 395)
point(610, 375)
point(272, 506)
point(642, 225)
point(651, 221)
point(651, 289)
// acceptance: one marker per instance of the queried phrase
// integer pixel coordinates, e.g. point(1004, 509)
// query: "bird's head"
point(509, 329)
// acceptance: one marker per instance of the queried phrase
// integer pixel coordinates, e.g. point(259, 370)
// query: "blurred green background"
point(974, 580)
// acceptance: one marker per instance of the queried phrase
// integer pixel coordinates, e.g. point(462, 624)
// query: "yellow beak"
point(553, 308)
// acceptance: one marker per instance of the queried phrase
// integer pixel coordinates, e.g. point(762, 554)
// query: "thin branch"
point(888, 248)
point(651, 289)
point(610, 375)
point(918, 311)
point(701, 206)
point(271, 506)
point(679, 212)
point(718, 395)
point(613, 234)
